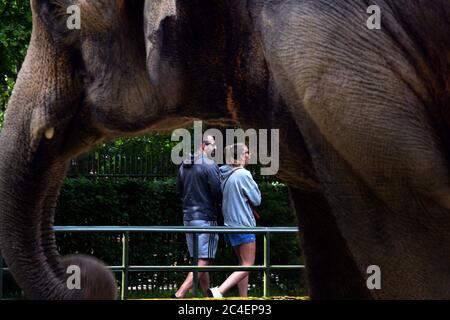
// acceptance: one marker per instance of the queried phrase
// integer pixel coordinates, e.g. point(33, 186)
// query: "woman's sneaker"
point(214, 293)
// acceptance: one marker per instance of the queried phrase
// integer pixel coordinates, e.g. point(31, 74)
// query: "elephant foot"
point(330, 269)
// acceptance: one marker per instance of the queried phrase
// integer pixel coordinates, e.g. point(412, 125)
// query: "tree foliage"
point(15, 32)
point(138, 146)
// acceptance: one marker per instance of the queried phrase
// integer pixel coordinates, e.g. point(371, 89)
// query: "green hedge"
point(134, 202)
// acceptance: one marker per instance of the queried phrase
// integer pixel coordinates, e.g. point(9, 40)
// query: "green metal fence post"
point(124, 288)
point(195, 263)
point(266, 291)
point(1, 276)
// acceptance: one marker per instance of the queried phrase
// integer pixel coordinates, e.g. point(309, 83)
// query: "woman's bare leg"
point(243, 284)
point(246, 255)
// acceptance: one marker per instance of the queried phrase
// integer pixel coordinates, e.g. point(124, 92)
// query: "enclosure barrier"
point(125, 268)
point(157, 165)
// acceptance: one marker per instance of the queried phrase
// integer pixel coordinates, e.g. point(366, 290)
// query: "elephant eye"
point(55, 18)
point(67, 20)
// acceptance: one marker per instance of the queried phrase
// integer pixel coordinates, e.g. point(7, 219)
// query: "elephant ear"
point(155, 12)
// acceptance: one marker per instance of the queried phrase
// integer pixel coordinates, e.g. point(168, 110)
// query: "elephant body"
point(372, 108)
point(362, 117)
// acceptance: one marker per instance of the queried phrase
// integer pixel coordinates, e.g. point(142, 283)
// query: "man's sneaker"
point(214, 293)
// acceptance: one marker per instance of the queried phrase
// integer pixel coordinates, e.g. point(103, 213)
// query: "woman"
point(240, 191)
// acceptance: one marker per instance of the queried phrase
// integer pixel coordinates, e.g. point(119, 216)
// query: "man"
point(198, 186)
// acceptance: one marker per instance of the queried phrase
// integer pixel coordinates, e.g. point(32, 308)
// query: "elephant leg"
point(404, 232)
point(330, 267)
point(377, 140)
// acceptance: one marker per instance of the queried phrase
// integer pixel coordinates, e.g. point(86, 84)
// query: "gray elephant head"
point(130, 68)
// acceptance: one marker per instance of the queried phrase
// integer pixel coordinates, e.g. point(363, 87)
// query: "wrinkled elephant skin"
point(363, 116)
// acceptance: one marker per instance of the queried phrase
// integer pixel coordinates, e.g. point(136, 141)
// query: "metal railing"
point(101, 165)
point(125, 268)
point(156, 165)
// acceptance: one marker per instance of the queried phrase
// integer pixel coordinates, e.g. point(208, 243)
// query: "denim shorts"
point(236, 239)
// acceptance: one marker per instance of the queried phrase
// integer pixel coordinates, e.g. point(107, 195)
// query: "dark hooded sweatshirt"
point(198, 186)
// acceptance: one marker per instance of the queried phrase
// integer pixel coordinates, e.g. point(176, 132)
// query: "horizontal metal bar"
point(287, 267)
point(75, 175)
point(204, 268)
point(199, 268)
point(177, 229)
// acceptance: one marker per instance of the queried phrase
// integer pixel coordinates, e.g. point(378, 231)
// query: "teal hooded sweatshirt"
point(238, 189)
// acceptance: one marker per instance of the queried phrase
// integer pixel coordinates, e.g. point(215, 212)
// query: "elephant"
point(364, 129)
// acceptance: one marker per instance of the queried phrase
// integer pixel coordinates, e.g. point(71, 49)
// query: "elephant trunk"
point(31, 174)
point(29, 187)
point(27, 190)
point(42, 131)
